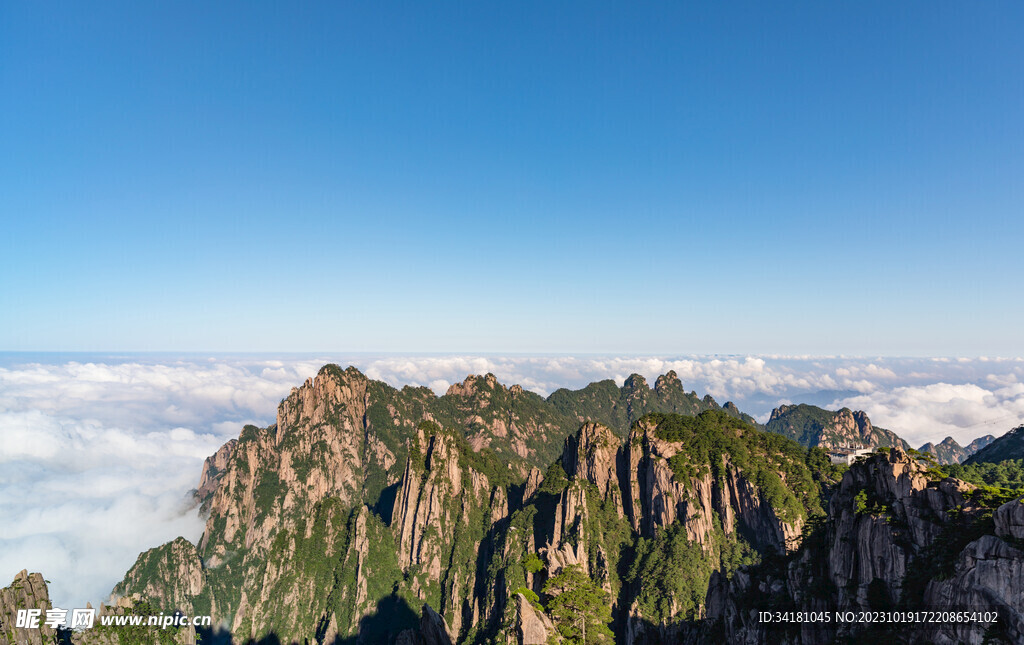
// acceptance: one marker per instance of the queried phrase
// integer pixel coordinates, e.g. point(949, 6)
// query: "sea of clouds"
point(98, 453)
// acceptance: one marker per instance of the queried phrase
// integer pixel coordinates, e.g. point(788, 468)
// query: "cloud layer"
point(97, 455)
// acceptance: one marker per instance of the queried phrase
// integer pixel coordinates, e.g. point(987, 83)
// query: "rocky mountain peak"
point(27, 591)
point(979, 443)
point(814, 426)
point(855, 425)
point(366, 502)
point(475, 384)
point(319, 398)
point(780, 411)
point(948, 451)
point(635, 382)
point(668, 381)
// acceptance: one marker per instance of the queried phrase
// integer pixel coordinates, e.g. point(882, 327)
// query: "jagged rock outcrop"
point(663, 498)
point(437, 520)
point(30, 591)
point(887, 491)
point(532, 627)
point(533, 480)
point(592, 454)
point(213, 470)
point(26, 591)
point(516, 424)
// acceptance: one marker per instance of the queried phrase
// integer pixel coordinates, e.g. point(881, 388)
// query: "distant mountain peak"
point(813, 426)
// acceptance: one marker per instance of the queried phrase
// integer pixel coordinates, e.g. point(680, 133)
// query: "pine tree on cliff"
point(580, 609)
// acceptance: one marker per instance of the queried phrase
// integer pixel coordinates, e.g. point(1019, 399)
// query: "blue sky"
point(512, 177)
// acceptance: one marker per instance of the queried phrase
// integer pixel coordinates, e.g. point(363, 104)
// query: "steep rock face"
point(315, 451)
point(29, 591)
point(434, 629)
point(813, 426)
point(533, 480)
point(593, 454)
point(26, 591)
point(660, 497)
point(887, 491)
point(280, 490)
point(712, 507)
point(533, 627)
point(213, 470)
point(171, 575)
point(441, 509)
point(989, 576)
point(615, 489)
point(1009, 520)
point(884, 545)
point(324, 419)
point(364, 502)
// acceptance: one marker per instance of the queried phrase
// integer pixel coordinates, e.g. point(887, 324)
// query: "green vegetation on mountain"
point(127, 634)
point(363, 503)
point(803, 423)
point(619, 408)
point(1004, 474)
point(778, 466)
point(580, 609)
point(671, 572)
point(1008, 446)
point(812, 426)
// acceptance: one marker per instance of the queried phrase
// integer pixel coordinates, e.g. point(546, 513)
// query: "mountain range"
point(632, 514)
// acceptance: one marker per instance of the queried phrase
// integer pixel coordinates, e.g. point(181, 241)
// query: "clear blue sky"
point(824, 177)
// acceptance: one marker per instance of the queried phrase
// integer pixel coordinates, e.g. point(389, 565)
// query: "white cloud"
point(97, 456)
point(96, 459)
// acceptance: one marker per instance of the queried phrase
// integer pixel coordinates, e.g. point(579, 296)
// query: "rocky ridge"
point(948, 451)
point(813, 427)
